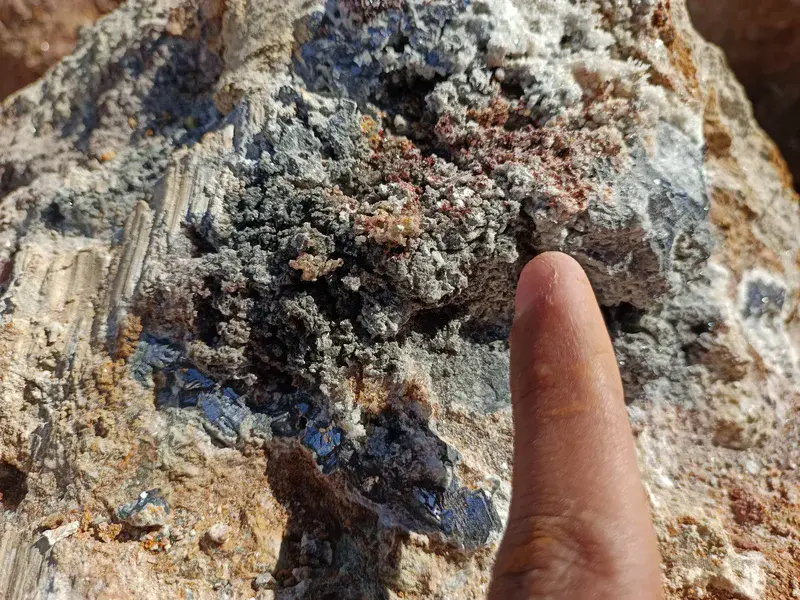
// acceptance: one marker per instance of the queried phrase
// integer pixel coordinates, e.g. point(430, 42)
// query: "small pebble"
point(400, 124)
point(218, 534)
point(752, 467)
point(264, 581)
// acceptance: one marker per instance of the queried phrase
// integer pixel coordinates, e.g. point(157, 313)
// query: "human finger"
point(579, 525)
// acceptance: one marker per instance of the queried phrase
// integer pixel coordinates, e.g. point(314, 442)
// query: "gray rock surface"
point(259, 258)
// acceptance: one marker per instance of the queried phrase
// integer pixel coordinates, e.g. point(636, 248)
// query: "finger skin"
point(579, 525)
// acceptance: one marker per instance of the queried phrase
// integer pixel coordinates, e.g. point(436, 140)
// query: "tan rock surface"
point(762, 43)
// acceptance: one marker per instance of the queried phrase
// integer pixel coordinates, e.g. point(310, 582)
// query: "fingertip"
point(559, 336)
point(576, 479)
point(542, 277)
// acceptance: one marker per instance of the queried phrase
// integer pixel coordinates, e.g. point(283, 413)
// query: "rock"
point(315, 552)
point(713, 565)
point(270, 270)
point(150, 510)
point(761, 41)
point(746, 507)
point(263, 581)
point(52, 536)
point(217, 534)
point(752, 467)
point(741, 422)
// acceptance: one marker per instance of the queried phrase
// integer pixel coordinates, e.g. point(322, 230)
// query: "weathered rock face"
point(762, 43)
point(259, 261)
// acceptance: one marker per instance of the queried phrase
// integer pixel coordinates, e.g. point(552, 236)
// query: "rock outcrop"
point(258, 271)
point(761, 41)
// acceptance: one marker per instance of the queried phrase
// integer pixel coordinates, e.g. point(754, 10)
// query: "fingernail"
point(535, 281)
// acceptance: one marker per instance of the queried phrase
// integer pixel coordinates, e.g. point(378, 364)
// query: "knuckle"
point(546, 554)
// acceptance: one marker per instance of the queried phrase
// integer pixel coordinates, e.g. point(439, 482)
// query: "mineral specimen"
point(260, 256)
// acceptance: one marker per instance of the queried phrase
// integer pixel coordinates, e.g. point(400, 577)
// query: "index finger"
point(579, 525)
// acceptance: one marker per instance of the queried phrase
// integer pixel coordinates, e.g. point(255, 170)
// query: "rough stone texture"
point(35, 34)
point(762, 43)
point(258, 269)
